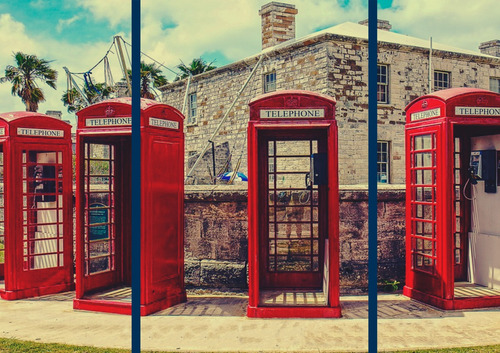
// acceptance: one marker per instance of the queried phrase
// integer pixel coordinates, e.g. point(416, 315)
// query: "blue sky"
point(61, 20)
point(77, 33)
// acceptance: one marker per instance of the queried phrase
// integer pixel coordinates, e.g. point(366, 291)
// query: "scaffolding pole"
point(224, 118)
point(84, 97)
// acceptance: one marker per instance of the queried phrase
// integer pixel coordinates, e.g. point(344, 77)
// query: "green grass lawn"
point(8, 345)
point(1, 254)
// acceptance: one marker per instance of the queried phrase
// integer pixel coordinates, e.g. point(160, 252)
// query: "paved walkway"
point(219, 324)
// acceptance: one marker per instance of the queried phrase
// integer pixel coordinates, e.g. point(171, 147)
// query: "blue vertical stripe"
point(136, 177)
point(372, 176)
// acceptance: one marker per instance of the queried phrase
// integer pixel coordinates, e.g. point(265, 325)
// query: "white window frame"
point(192, 109)
point(383, 162)
point(439, 80)
point(495, 84)
point(382, 84)
point(269, 82)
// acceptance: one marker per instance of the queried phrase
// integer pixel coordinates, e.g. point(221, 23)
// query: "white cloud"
point(460, 23)
point(65, 23)
point(233, 27)
point(77, 57)
point(113, 11)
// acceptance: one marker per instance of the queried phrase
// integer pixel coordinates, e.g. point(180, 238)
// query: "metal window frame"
point(384, 85)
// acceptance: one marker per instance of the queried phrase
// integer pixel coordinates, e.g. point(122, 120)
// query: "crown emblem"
point(482, 100)
point(424, 104)
point(292, 102)
point(109, 111)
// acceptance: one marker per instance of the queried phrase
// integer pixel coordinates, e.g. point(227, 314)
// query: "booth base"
point(35, 292)
point(452, 304)
point(293, 312)
point(125, 308)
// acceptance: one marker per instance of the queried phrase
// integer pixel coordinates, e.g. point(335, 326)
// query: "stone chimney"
point(54, 113)
point(278, 23)
point(381, 24)
point(491, 47)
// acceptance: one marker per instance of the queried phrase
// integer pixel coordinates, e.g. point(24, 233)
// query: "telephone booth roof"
point(312, 106)
point(115, 116)
point(462, 104)
point(46, 126)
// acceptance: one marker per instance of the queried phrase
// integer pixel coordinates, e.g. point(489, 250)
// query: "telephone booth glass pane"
point(292, 208)
point(423, 202)
point(99, 211)
point(42, 189)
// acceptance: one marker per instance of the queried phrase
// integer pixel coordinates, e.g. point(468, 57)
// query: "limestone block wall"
point(408, 69)
point(301, 68)
point(216, 237)
point(332, 65)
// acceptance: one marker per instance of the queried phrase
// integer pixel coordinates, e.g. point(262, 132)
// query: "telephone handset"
point(307, 181)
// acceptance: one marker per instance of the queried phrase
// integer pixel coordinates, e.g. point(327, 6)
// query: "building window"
point(495, 84)
point(383, 162)
point(383, 84)
point(270, 82)
point(193, 109)
point(441, 80)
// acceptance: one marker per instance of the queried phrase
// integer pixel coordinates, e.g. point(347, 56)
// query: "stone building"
point(334, 62)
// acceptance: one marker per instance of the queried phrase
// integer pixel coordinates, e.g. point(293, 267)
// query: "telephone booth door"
point(293, 206)
point(103, 281)
point(36, 238)
point(452, 236)
point(106, 202)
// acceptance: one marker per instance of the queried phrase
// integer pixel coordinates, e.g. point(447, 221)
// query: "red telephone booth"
point(452, 179)
point(36, 234)
point(293, 206)
point(103, 243)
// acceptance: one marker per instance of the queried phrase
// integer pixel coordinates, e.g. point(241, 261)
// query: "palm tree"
point(151, 77)
point(75, 102)
point(23, 78)
point(197, 66)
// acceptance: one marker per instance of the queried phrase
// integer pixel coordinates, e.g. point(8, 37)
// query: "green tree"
point(23, 76)
point(75, 102)
point(151, 77)
point(197, 66)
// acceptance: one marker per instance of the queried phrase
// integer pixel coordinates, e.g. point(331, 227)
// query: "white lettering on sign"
point(168, 124)
point(97, 122)
point(431, 113)
point(292, 113)
point(2, 131)
point(481, 111)
point(23, 131)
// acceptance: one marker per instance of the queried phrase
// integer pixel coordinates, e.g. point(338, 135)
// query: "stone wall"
point(216, 241)
point(333, 65)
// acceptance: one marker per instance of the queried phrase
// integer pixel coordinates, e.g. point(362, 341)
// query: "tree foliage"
point(24, 76)
point(151, 77)
point(75, 102)
point(197, 66)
